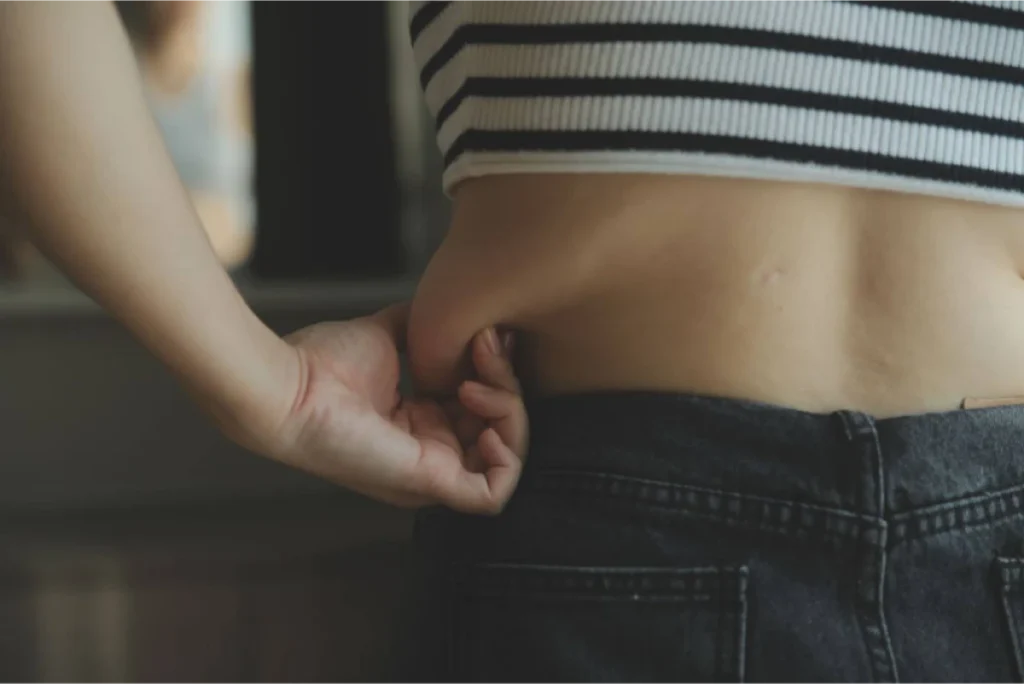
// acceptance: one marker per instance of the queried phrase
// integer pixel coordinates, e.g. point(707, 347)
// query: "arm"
point(83, 165)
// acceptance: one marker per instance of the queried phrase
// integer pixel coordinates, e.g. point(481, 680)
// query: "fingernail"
point(491, 338)
point(508, 341)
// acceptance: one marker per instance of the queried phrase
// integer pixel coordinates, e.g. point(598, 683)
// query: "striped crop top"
point(924, 97)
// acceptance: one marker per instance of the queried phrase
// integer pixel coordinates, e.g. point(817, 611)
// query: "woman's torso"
point(807, 284)
point(812, 296)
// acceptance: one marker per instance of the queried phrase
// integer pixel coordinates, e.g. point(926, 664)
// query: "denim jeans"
point(665, 537)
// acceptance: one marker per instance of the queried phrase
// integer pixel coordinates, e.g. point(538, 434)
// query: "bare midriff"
point(811, 296)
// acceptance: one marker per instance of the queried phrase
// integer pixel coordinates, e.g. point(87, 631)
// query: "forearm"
point(84, 167)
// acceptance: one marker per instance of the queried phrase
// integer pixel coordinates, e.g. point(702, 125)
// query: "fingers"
point(503, 410)
point(447, 482)
point(471, 451)
point(467, 428)
point(496, 398)
point(491, 362)
point(427, 421)
point(503, 471)
point(487, 402)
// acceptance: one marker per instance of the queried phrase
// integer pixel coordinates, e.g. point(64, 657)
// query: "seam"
point(612, 570)
point(740, 657)
point(560, 596)
point(703, 503)
point(870, 587)
point(721, 589)
point(543, 480)
point(788, 518)
point(599, 582)
point(881, 554)
point(800, 534)
point(1009, 572)
point(971, 511)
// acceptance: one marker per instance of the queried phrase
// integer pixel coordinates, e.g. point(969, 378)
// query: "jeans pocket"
point(599, 623)
point(1011, 580)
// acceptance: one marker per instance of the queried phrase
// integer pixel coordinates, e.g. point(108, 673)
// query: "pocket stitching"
point(803, 520)
point(1011, 580)
point(730, 590)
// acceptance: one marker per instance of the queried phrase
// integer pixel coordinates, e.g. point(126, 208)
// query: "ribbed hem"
point(923, 98)
point(477, 164)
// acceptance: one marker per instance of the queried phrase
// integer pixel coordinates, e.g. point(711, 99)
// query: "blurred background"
point(135, 542)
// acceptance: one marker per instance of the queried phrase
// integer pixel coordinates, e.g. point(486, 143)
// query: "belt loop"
point(864, 462)
point(856, 425)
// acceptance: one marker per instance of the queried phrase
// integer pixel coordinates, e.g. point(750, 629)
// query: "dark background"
point(325, 178)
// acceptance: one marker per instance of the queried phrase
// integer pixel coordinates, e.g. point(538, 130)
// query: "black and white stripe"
point(922, 94)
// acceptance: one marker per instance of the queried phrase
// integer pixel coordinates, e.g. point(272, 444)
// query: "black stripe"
point(424, 15)
point(527, 141)
point(961, 11)
point(666, 87)
point(505, 34)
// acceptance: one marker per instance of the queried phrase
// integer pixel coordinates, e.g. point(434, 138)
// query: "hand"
point(349, 423)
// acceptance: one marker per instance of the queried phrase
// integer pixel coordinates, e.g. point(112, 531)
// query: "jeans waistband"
point(956, 467)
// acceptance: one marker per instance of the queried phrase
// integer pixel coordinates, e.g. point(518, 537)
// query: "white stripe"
point(439, 30)
point(756, 66)
point(855, 23)
point(740, 119)
point(474, 164)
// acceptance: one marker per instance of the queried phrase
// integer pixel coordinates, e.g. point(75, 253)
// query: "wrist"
point(255, 394)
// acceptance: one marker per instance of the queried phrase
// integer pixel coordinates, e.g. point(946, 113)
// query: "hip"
point(659, 536)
